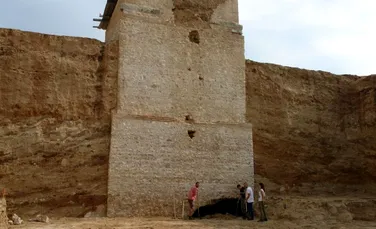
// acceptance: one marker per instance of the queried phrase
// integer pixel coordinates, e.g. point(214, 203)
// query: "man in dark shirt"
point(241, 201)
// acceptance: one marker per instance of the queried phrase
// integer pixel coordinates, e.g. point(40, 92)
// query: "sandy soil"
point(289, 212)
point(165, 223)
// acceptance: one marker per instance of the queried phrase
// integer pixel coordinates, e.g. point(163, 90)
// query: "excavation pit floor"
point(165, 223)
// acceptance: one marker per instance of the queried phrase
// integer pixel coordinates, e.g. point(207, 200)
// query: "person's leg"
point(264, 212)
point(251, 211)
point(261, 212)
point(190, 202)
point(243, 208)
point(246, 210)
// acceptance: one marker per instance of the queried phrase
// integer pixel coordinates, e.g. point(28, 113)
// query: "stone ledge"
point(234, 27)
point(134, 9)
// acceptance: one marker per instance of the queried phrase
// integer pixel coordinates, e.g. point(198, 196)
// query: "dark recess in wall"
point(227, 206)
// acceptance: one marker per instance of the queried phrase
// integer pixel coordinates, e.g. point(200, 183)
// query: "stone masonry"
point(3, 214)
point(180, 115)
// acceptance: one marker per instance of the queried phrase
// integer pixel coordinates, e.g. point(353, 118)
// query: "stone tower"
point(180, 115)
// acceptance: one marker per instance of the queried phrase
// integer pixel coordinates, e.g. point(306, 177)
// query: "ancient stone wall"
point(156, 162)
point(56, 94)
point(312, 129)
point(179, 77)
point(176, 78)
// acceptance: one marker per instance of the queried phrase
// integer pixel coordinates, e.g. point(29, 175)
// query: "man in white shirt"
point(249, 197)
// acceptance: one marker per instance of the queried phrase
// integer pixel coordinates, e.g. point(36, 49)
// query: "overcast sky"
point(332, 35)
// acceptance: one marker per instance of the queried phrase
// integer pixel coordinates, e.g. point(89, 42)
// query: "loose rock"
point(42, 219)
point(16, 220)
point(100, 211)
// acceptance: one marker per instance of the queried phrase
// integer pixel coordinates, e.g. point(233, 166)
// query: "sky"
point(338, 36)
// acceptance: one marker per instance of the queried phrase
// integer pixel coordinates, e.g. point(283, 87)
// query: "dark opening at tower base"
point(226, 206)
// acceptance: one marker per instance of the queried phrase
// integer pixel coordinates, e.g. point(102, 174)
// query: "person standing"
point(250, 199)
point(261, 200)
point(192, 195)
point(241, 201)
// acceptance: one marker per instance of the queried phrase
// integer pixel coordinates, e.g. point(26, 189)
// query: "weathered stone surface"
point(3, 213)
point(313, 129)
point(166, 74)
point(121, 11)
point(200, 13)
point(162, 73)
point(195, 14)
point(154, 161)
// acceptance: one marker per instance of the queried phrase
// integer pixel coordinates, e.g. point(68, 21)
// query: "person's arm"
point(194, 193)
point(247, 194)
point(263, 194)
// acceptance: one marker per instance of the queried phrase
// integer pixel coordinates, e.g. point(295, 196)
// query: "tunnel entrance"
point(225, 206)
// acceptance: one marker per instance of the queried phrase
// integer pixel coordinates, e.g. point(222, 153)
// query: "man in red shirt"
point(192, 195)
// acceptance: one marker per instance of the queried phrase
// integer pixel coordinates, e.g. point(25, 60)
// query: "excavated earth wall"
point(314, 132)
point(56, 94)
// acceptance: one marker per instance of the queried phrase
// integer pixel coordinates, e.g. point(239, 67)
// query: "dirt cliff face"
point(313, 131)
point(55, 94)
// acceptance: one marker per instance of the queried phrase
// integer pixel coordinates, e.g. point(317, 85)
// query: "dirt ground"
point(165, 223)
point(289, 212)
